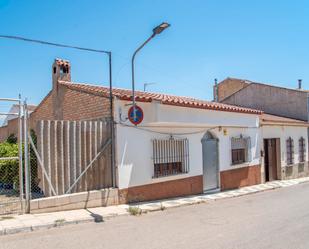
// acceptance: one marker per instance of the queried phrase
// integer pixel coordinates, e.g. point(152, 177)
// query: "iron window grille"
point(240, 148)
point(170, 157)
point(302, 150)
point(290, 150)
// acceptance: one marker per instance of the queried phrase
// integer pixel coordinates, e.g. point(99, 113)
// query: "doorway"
point(271, 158)
point(210, 162)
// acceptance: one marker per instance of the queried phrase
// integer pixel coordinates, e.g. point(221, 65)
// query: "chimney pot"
point(61, 71)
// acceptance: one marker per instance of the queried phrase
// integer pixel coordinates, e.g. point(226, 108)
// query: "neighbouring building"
point(284, 136)
point(10, 123)
point(291, 103)
point(14, 110)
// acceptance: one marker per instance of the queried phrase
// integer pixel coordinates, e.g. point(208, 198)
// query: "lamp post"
point(157, 30)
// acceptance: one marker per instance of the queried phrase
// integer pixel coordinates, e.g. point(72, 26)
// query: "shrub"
point(9, 169)
point(135, 211)
point(12, 139)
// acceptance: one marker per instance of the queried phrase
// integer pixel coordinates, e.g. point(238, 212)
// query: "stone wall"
point(295, 171)
point(95, 198)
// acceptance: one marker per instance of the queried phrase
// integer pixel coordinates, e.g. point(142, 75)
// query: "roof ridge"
point(164, 98)
point(126, 89)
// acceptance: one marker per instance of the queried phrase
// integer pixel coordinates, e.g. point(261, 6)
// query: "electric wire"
point(143, 128)
point(19, 38)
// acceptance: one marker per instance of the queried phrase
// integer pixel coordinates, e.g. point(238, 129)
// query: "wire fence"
point(11, 161)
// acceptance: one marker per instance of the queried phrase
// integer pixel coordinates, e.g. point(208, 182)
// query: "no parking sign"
point(139, 115)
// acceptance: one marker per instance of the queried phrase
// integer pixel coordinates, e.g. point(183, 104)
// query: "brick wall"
point(241, 177)
point(229, 86)
point(77, 105)
point(68, 104)
point(63, 104)
point(186, 186)
point(3, 133)
point(10, 128)
point(44, 111)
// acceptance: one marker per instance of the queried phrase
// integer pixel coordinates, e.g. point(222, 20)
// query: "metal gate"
point(69, 157)
point(11, 161)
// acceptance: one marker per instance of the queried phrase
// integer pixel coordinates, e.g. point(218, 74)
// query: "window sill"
point(170, 177)
point(290, 165)
point(241, 165)
point(177, 174)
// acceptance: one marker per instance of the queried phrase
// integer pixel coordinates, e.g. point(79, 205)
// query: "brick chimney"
point(61, 70)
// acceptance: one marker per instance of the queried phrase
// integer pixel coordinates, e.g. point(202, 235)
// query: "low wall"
point(295, 171)
point(240, 177)
point(162, 190)
point(94, 198)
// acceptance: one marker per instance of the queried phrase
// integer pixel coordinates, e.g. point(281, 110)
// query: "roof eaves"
point(180, 101)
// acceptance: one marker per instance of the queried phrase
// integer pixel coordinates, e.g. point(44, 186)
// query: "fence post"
point(26, 159)
point(20, 153)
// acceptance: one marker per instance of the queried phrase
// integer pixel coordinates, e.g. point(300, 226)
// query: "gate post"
point(26, 159)
point(20, 153)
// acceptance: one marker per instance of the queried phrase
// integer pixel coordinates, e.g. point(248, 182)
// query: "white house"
point(174, 145)
point(185, 146)
point(285, 147)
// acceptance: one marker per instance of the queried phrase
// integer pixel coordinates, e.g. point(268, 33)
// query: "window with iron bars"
point(302, 150)
point(170, 157)
point(240, 147)
point(290, 151)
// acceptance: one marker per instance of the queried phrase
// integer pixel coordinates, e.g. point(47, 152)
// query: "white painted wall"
point(284, 132)
point(134, 146)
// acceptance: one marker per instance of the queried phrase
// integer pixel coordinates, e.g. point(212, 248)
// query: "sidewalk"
point(32, 222)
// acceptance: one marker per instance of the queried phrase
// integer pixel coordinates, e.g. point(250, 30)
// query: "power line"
point(53, 44)
point(203, 129)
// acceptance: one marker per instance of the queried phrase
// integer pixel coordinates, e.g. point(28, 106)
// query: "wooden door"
point(272, 159)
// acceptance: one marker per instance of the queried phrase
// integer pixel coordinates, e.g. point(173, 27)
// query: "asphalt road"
point(272, 219)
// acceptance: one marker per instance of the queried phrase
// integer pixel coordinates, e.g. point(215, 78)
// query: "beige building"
point(276, 100)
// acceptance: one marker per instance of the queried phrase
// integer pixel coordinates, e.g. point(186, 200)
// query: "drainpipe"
point(299, 84)
point(216, 99)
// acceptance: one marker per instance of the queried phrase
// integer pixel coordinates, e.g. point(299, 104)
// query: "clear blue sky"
point(265, 41)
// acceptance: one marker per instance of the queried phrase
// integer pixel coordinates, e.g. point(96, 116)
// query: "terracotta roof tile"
point(125, 94)
point(269, 118)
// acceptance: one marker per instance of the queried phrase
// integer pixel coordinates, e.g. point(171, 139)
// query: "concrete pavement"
point(270, 219)
point(34, 222)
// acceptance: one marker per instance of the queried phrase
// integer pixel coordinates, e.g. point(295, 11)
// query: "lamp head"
point(159, 29)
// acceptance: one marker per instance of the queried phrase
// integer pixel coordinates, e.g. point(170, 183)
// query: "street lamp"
point(157, 30)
